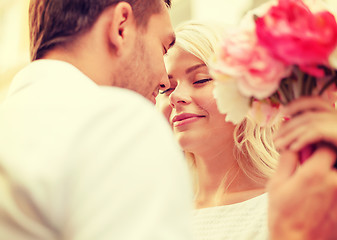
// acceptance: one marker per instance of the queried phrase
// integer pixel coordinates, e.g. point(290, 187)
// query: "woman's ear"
point(122, 28)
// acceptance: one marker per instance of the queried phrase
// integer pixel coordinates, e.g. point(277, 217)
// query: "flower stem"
point(332, 80)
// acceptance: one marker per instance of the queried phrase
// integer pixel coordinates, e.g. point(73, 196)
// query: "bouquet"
point(288, 51)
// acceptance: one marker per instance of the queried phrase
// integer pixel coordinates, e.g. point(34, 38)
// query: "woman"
point(230, 164)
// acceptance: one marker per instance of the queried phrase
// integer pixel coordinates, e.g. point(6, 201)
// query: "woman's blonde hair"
point(254, 147)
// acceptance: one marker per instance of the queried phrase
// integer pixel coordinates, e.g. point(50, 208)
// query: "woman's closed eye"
point(203, 80)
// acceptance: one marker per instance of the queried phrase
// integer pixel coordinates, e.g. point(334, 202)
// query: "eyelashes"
point(201, 81)
point(166, 90)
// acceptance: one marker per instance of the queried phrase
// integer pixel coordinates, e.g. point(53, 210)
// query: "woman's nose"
point(179, 96)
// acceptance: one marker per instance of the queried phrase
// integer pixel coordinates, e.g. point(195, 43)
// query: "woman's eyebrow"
point(190, 69)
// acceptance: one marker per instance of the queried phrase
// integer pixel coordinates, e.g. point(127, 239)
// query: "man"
point(81, 159)
point(302, 201)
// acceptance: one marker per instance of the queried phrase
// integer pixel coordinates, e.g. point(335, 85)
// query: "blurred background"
point(14, 39)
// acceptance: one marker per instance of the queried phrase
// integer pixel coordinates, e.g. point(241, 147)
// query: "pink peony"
point(257, 73)
point(295, 35)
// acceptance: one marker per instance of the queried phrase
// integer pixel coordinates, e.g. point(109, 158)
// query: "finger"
point(289, 136)
point(307, 120)
point(306, 104)
point(304, 140)
point(310, 128)
point(309, 137)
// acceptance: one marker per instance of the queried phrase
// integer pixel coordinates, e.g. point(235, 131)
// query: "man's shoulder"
point(85, 116)
point(51, 83)
point(43, 93)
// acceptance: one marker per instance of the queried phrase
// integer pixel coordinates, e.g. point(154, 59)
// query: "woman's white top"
point(245, 220)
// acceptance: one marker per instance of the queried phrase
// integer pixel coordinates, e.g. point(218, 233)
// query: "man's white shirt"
point(80, 161)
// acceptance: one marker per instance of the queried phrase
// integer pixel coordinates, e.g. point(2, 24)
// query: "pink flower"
point(295, 35)
point(257, 73)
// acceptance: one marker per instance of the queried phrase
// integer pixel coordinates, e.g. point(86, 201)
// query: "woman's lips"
point(185, 118)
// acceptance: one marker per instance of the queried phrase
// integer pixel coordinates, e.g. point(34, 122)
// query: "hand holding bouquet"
point(289, 52)
point(316, 124)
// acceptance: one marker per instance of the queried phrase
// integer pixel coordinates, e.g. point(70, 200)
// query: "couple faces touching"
point(189, 104)
point(185, 85)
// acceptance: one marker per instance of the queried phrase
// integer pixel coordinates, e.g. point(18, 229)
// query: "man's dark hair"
point(54, 22)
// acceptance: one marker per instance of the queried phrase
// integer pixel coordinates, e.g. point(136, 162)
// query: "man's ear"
point(122, 27)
